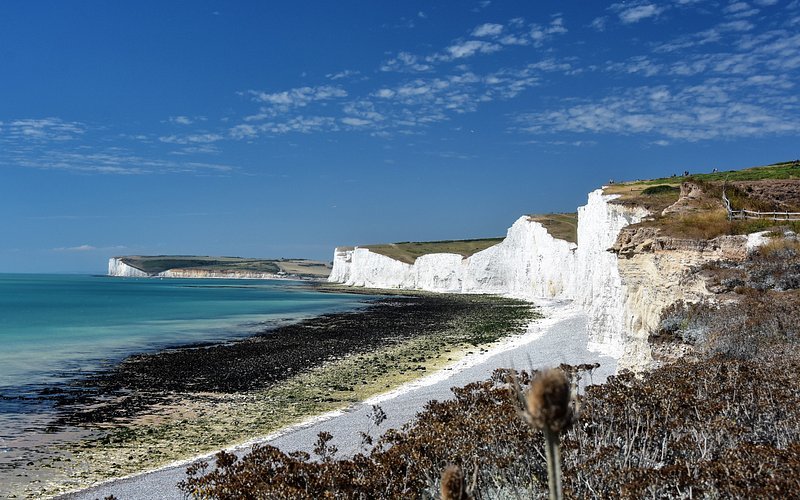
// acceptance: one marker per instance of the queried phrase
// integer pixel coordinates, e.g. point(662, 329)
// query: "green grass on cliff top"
point(561, 226)
point(408, 251)
point(782, 171)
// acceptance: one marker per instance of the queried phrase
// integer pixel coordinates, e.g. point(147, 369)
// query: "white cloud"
point(43, 129)
point(342, 74)
point(739, 10)
point(469, 48)
point(113, 161)
point(181, 120)
point(599, 23)
point(488, 30)
point(701, 112)
point(81, 248)
point(243, 131)
point(539, 34)
point(281, 102)
point(191, 138)
point(87, 248)
point(406, 62)
point(297, 124)
point(635, 12)
point(516, 32)
point(355, 122)
point(385, 93)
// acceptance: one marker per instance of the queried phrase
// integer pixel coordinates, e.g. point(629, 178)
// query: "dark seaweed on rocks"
point(257, 362)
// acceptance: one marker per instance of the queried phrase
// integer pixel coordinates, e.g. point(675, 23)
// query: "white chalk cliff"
point(622, 281)
point(528, 264)
point(116, 267)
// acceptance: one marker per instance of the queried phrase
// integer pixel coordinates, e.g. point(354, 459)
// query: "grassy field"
point(157, 263)
point(409, 251)
point(561, 226)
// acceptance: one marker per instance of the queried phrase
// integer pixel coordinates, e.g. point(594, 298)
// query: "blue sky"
point(283, 129)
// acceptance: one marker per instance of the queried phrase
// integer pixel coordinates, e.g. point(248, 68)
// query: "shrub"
point(660, 189)
point(714, 428)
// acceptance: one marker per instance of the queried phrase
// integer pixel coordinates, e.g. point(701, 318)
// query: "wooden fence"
point(750, 214)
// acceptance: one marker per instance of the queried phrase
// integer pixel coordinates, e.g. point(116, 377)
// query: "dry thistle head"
point(547, 402)
point(453, 485)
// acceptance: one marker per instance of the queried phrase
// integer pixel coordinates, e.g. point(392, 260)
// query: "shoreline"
point(182, 417)
point(558, 338)
point(534, 330)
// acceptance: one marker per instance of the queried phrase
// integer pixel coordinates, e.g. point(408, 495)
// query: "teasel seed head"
point(454, 486)
point(548, 402)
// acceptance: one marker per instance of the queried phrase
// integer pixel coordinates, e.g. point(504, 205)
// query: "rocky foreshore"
point(156, 408)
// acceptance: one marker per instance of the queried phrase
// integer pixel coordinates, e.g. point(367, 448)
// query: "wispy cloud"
point(484, 39)
point(42, 129)
point(343, 74)
point(406, 62)
point(181, 120)
point(205, 138)
point(488, 29)
point(701, 112)
point(111, 162)
point(298, 124)
point(276, 103)
point(89, 248)
point(633, 12)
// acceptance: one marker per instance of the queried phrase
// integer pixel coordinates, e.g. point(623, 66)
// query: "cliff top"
point(691, 206)
point(561, 226)
point(408, 251)
point(153, 264)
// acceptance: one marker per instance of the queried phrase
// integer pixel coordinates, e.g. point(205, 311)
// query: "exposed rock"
point(689, 199)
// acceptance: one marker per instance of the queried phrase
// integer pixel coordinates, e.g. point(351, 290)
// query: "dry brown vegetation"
point(637, 194)
point(703, 216)
point(715, 428)
point(756, 308)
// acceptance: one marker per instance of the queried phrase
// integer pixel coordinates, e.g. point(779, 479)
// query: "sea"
point(56, 328)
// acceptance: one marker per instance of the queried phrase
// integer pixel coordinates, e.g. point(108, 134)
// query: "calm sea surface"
point(55, 327)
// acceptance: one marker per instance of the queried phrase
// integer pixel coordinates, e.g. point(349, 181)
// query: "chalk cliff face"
point(599, 288)
point(528, 263)
point(204, 273)
point(118, 268)
point(623, 279)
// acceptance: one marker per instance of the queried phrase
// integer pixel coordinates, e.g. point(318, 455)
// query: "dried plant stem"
point(553, 463)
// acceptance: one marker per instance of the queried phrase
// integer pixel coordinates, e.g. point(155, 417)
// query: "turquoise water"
point(55, 327)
